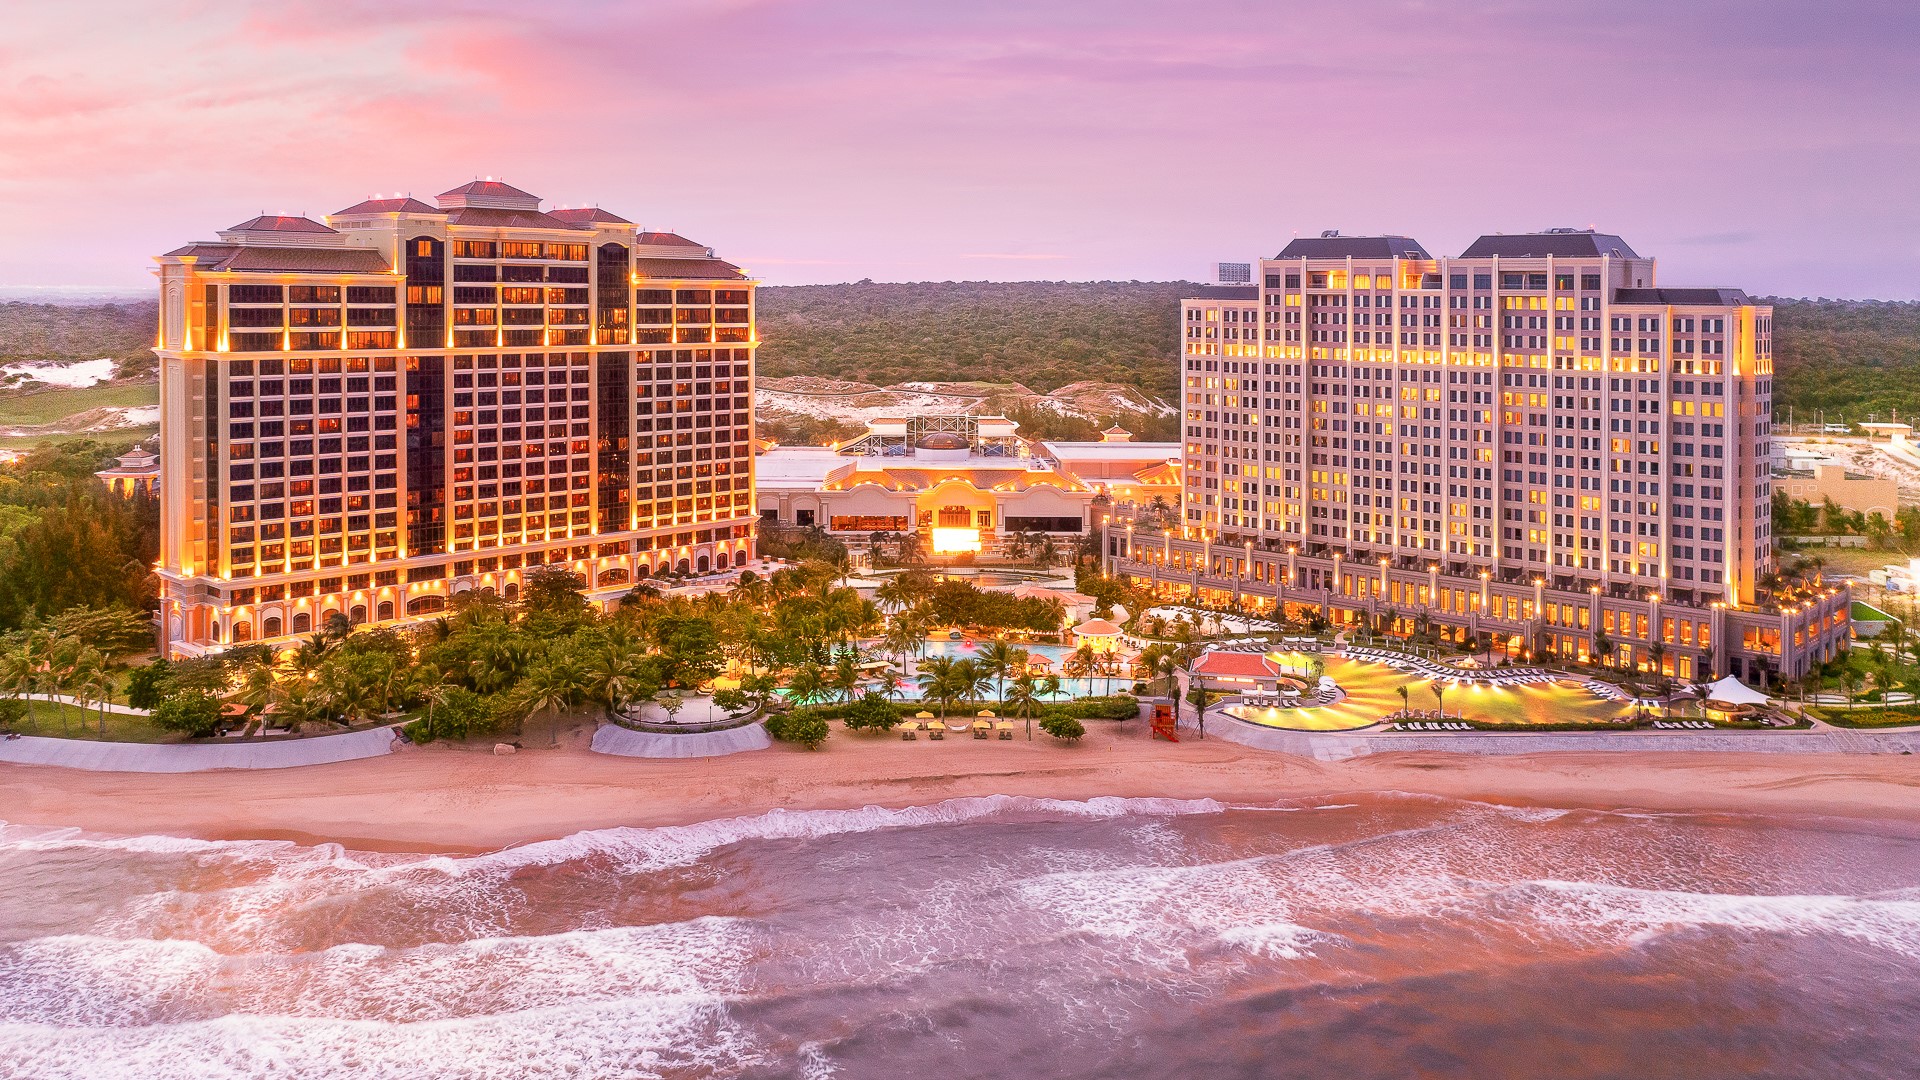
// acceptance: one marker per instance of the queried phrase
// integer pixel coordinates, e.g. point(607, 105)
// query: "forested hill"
point(1044, 334)
point(1850, 358)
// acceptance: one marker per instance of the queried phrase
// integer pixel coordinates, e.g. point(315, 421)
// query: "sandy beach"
point(447, 800)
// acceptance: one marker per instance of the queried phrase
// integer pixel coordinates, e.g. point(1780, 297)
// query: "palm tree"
point(911, 552)
point(17, 671)
point(614, 672)
point(1019, 544)
point(970, 680)
point(1439, 695)
point(1023, 699)
point(554, 686)
point(1046, 552)
point(1402, 691)
point(845, 676)
point(936, 679)
point(1001, 660)
point(92, 682)
point(806, 685)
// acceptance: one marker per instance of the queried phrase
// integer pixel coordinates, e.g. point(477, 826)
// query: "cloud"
point(857, 138)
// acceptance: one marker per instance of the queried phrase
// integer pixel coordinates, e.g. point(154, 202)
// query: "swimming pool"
point(1069, 688)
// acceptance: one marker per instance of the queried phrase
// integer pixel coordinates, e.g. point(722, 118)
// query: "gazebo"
point(1099, 635)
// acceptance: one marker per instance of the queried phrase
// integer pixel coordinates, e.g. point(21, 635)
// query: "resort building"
point(1820, 480)
point(1534, 443)
point(366, 414)
point(136, 472)
point(963, 483)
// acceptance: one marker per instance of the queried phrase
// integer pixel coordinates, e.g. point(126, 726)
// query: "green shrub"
point(195, 715)
point(1869, 718)
point(871, 713)
point(1065, 728)
point(804, 727)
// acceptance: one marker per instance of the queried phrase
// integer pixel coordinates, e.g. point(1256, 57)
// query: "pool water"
point(1069, 688)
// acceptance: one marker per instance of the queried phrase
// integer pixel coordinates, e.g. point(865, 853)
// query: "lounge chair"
point(982, 729)
point(1004, 728)
point(908, 729)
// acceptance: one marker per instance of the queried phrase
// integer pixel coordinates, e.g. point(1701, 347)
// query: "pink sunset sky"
point(1769, 145)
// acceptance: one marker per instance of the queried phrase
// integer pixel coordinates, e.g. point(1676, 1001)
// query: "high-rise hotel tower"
point(1532, 444)
point(365, 415)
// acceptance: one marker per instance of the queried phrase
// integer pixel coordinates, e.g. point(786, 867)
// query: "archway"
point(385, 610)
point(720, 561)
point(243, 630)
point(684, 566)
point(302, 622)
point(422, 605)
point(513, 591)
point(357, 615)
point(703, 565)
point(270, 627)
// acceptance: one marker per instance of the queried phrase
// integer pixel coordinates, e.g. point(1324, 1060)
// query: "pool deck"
point(1339, 747)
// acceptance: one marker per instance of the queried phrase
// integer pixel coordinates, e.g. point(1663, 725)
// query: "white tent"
point(1732, 691)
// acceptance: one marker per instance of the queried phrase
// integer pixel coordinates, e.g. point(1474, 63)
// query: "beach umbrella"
point(923, 716)
point(988, 713)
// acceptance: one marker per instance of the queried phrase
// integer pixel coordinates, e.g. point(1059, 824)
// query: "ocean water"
point(1388, 936)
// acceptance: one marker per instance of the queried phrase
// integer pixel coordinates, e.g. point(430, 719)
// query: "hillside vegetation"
point(1850, 358)
point(1045, 334)
point(121, 332)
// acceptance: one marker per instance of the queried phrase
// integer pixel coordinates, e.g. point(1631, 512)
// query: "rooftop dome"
point(943, 440)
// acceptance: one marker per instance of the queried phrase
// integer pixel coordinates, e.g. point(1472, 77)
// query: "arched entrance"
point(302, 622)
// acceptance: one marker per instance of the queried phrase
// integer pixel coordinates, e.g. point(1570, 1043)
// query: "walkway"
point(626, 742)
point(91, 706)
point(196, 757)
point(1331, 747)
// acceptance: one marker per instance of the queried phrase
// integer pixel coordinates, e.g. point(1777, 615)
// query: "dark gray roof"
point(1713, 297)
point(1358, 247)
point(687, 269)
point(1560, 245)
point(1226, 292)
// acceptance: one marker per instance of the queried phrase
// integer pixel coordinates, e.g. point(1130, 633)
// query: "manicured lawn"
point(60, 720)
point(1869, 717)
point(48, 406)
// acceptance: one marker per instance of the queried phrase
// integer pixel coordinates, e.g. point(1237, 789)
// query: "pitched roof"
point(1097, 628)
point(492, 189)
point(1243, 665)
point(666, 239)
point(1562, 244)
point(689, 269)
point(1358, 247)
point(280, 223)
point(407, 205)
point(1713, 297)
point(310, 260)
point(588, 215)
point(504, 219)
point(199, 250)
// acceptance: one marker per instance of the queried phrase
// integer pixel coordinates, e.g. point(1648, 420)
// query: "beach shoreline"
point(446, 801)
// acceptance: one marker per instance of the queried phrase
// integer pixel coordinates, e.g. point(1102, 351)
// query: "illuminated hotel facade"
point(367, 414)
point(1533, 444)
